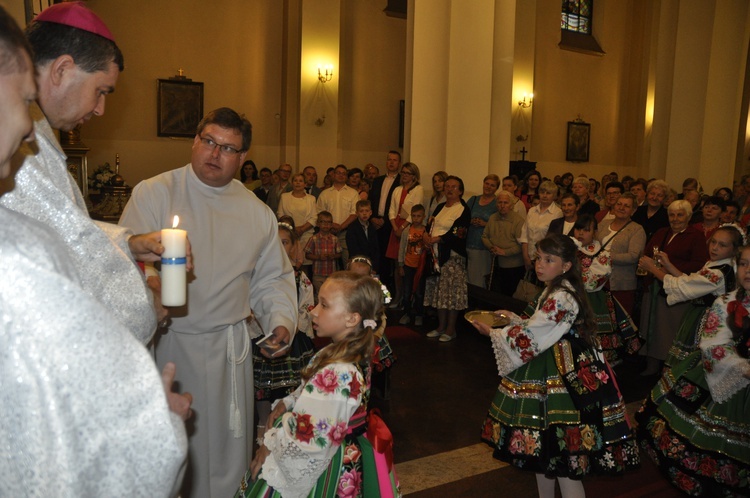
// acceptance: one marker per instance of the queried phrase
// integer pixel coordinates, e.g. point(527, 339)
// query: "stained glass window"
point(576, 16)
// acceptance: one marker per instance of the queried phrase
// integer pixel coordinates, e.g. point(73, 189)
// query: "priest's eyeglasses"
point(224, 149)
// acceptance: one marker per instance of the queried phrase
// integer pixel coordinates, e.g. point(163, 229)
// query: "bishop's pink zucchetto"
point(77, 15)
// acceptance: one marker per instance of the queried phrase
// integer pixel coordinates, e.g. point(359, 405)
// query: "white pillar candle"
point(174, 266)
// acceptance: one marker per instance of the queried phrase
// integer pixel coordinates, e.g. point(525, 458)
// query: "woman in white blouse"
point(438, 194)
point(408, 194)
point(303, 209)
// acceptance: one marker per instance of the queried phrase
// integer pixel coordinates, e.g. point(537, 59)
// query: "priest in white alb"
point(239, 266)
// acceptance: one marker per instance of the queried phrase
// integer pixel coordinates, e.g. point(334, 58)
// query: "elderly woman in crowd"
point(625, 241)
point(482, 207)
point(653, 215)
point(500, 237)
point(580, 187)
point(687, 251)
point(408, 194)
point(569, 203)
point(537, 223)
point(447, 241)
point(510, 184)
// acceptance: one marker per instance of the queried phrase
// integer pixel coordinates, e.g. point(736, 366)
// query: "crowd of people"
point(167, 397)
point(651, 261)
point(664, 275)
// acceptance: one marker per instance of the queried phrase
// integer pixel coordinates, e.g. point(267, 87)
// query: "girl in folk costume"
point(383, 357)
point(695, 423)
point(319, 440)
point(549, 413)
point(616, 331)
point(275, 378)
point(700, 289)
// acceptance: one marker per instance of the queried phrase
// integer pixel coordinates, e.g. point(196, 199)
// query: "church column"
point(504, 69)
point(726, 72)
point(457, 93)
point(698, 90)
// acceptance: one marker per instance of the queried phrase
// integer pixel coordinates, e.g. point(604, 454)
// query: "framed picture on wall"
point(579, 134)
point(179, 107)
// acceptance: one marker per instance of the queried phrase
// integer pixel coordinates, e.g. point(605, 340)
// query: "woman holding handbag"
point(626, 246)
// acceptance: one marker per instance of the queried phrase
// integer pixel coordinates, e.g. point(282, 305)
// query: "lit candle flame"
point(175, 221)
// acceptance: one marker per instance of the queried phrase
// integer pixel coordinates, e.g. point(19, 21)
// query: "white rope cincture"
point(235, 416)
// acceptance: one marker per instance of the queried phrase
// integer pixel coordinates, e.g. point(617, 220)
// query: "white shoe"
point(434, 333)
point(418, 321)
point(446, 338)
point(405, 320)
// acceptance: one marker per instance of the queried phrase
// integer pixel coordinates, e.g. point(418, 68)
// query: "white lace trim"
point(503, 360)
point(296, 476)
point(733, 379)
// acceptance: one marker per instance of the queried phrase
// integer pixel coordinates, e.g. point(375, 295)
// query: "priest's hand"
point(147, 247)
point(280, 335)
point(178, 403)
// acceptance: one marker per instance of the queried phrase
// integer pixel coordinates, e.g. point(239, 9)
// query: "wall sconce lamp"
point(524, 104)
point(325, 74)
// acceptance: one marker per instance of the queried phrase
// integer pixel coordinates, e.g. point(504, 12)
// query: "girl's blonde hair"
point(361, 294)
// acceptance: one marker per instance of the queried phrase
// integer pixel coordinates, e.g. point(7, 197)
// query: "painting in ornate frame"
point(578, 143)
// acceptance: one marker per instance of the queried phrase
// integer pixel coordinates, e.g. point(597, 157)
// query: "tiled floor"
point(439, 395)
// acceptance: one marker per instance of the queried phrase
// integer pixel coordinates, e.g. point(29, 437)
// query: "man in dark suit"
point(266, 182)
point(380, 198)
point(362, 236)
point(311, 181)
